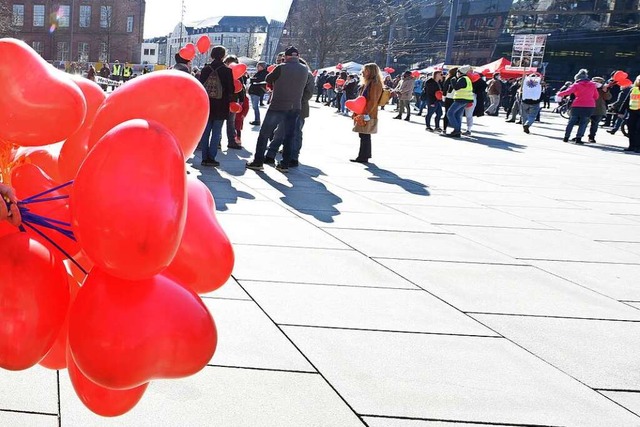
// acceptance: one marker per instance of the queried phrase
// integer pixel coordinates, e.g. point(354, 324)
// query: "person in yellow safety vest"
point(116, 71)
point(128, 72)
point(463, 95)
point(632, 105)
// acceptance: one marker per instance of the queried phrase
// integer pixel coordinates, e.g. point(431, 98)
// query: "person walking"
point(532, 95)
point(366, 124)
point(463, 95)
point(584, 104)
point(405, 93)
point(289, 81)
point(433, 97)
point(217, 79)
point(449, 92)
point(494, 90)
point(631, 106)
point(321, 91)
point(257, 91)
point(601, 107)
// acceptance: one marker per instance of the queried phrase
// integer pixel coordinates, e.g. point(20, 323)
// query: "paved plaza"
point(489, 280)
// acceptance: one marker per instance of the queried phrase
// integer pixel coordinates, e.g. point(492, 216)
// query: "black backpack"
point(212, 85)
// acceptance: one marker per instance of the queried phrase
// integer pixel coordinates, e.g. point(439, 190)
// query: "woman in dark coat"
point(480, 89)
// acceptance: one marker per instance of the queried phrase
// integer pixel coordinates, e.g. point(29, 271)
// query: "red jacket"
point(585, 91)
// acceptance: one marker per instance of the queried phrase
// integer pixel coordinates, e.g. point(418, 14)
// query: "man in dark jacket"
point(257, 90)
point(182, 64)
point(433, 100)
point(320, 81)
point(288, 80)
point(218, 107)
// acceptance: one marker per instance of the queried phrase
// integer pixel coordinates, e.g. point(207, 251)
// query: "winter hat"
point(598, 80)
point(180, 59)
point(583, 74)
point(291, 51)
point(464, 69)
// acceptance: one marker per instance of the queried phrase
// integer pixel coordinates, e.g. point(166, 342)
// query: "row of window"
point(61, 17)
point(147, 52)
point(62, 51)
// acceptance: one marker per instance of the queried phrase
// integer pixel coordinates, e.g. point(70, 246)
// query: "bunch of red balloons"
point(111, 290)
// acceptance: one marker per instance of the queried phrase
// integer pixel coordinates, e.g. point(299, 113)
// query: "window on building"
point(105, 16)
point(83, 52)
point(129, 24)
point(104, 52)
point(63, 16)
point(38, 15)
point(145, 52)
point(85, 16)
point(152, 52)
point(62, 51)
point(18, 15)
point(38, 47)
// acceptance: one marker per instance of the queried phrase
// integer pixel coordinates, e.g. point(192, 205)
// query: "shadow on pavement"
point(307, 195)
point(499, 144)
point(388, 177)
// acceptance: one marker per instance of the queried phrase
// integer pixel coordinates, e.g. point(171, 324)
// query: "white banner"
point(528, 50)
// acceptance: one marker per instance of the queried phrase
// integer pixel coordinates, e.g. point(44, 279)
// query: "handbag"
point(368, 127)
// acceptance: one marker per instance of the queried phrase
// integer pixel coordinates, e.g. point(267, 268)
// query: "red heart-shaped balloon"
point(188, 52)
point(619, 76)
point(339, 67)
point(156, 96)
point(327, 86)
point(415, 74)
point(270, 68)
point(29, 180)
point(205, 258)
point(237, 86)
point(474, 77)
point(235, 107)
point(128, 209)
point(357, 105)
point(238, 70)
point(38, 107)
point(203, 44)
point(340, 82)
point(34, 298)
point(125, 333)
point(100, 400)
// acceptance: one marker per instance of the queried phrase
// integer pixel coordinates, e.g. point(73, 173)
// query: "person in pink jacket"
point(584, 104)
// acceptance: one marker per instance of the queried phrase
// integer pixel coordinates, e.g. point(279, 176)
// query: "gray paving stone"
point(630, 400)
point(617, 281)
point(553, 215)
point(509, 289)
point(633, 247)
point(33, 390)
point(248, 338)
point(256, 207)
point(487, 217)
point(374, 221)
point(438, 199)
point(294, 232)
point(225, 397)
point(426, 246)
point(612, 208)
point(582, 195)
point(451, 378)
point(544, 245)
point(362, 308)
point(321, 266)
point(602, 354)
point(519, 198)
point(13, 419)
point(230, 290)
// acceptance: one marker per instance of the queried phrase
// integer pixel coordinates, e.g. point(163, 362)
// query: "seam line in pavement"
point(450, 261)
point(251, 368)
point(543, 316)
point(580, 262)
point(388, 331)
point(486, 423)
point(618, 390)
point(15, 411)
point(326, 284)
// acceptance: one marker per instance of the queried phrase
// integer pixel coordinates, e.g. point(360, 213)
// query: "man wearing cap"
point(288, 80)
point(463, 95)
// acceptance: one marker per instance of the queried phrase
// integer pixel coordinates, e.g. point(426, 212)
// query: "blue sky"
point(163, 15)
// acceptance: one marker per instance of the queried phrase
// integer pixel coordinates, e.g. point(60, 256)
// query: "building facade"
point(78, 30)
point(242, 36)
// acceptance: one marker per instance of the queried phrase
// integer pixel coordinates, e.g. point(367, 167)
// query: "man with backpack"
point(217, 79)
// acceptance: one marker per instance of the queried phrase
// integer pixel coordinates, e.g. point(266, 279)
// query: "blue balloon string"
point(44, 193)
point(56, 246)
point(48, 199)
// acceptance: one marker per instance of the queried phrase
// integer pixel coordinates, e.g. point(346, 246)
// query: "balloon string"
point(44, 193)
point(47, 199)
point(57, 247)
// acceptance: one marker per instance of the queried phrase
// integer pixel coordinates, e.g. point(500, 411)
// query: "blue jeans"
point(278, 139)
point(343, 100)
point(431, 109)
point(529, 113)
point(455, 114)
point(210, 139)
point(579, 116)
point(272, 119)
point(255, 103)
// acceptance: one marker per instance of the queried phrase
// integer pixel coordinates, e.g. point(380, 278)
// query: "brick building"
point(78, 30)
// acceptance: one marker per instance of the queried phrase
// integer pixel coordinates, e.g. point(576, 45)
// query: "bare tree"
point(6, 19)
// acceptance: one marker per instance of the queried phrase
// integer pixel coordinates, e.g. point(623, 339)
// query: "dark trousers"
point(593, 129)
point(579, 116)
point(365, 146)
point(271, 121)
point(633, 124)
point(231, 128)
point(432, 109)
point(448, 102)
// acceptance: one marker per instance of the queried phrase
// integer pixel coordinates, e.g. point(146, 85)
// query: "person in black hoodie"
point(218, 104)
point(432, 94)
point(257, 91)
point(320, 81)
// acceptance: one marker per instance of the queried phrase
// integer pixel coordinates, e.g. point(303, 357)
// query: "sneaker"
point(234, 146)
point(467, 133)
point(526, 128)
point(453, 134)
point(565, 139)
point(579, 141)
point(254, 166)
point(254, 123)
point(592, 141)
point(438, 130)
point(269, 160)
point(213, 163)
point(429, 128)
point(282, 168)
point(408, 119)
point(612, 132)
point(293, 164)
